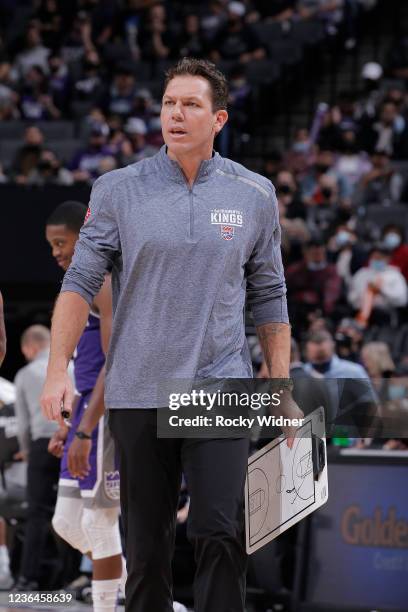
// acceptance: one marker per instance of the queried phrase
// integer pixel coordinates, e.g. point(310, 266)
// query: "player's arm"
point(2, 333)
point(68, 322)
point(78, 454)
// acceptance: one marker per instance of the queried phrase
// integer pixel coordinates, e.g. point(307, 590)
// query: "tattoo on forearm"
point(267, 334)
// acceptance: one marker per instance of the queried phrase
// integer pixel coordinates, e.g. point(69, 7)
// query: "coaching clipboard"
point(284, 485)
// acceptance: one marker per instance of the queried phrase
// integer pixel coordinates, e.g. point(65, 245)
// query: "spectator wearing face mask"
point(301, 154)
point(378, 289)
point(236, 40)
point(389, 133)
point(347, 383)
point(346, 252)
point(380, 184)
point(313, 284)
point(310, 185)
point(393, 239)
point(352, 163)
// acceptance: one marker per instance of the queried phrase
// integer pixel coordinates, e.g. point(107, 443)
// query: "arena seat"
point(376, 216)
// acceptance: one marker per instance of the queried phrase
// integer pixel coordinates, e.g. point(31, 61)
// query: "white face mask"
point(316, 265)
point(343, 238)
point(392, 240)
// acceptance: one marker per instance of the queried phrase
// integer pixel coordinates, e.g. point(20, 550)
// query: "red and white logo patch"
point(227, 232)
point(88, 214)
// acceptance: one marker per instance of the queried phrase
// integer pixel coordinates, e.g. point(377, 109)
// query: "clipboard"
point(284, 485)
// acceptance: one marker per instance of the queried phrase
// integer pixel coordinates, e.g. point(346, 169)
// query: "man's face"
point(62, 241)
point(389, 113)
point(188, 121)
point(316, 254)
point(33, 136)
point(319, 352)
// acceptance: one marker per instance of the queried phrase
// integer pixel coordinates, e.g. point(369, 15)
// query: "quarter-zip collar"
point(173, 170)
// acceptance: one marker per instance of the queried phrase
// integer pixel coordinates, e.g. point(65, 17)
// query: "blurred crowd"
point(99, 63)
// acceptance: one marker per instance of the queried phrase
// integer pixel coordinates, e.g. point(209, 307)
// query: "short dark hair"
point(319, 336)
point(190, 66)
point(70, 213)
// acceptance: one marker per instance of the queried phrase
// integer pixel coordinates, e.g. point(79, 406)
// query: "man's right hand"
point(58, 392)
point(57, 441)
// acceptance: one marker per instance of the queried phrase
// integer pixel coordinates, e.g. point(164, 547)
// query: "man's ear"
point(221, 118)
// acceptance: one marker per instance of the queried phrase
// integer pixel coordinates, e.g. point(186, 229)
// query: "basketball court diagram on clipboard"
point(284, 485)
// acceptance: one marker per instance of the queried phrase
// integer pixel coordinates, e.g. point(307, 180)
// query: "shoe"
point(22, 584)
point(178, 607)
point(6, 580)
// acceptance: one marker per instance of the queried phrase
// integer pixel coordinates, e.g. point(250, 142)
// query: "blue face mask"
point(300, 147)
point(342, 238)
point(392, 240)
point(396, 392)
point(378, 265)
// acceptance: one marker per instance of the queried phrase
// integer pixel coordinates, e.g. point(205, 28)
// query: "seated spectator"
point(381, 184)
point(33, 54)
point(240, 100)
point(397, 62)
point(49, 171)
point(279, 10)
point(393, 239)
point(323, 210)
point(349, 338)
point(85, 164)
point(156, 38)
point(347, 252)
point(310, 185)
point(353, 399)
point(135, 147)
point(369, 97)
point(236, 40)
point(388, 134)
point(191, 41)
point(272, 165)
point(78, 39)
point(214, 17)
point(352, 163)
point(328, 11)
point(377, 360)
point(58, 81)
point(50, 22)
point(120, 97)
point(377, 289)
point(106, 164)
point(128, 26)
point(288, 195)
point(35, 101)
point(28, 156)
point(301, 154)
point(88, 87)
point(8, 94)
point(295, 232)
point(313, 284)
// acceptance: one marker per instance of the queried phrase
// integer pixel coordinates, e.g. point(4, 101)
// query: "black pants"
point(42, 484)
point(150, 476)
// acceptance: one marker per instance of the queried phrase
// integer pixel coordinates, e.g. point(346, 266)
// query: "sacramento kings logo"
point(227, 232)
point(112, 484)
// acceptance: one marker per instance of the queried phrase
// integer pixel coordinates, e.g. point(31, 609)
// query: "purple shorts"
point(100, 488)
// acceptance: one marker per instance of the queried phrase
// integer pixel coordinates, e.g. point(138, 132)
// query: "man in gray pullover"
point(188, 235)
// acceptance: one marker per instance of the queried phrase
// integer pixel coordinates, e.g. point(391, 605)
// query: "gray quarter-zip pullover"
point(183, 259)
